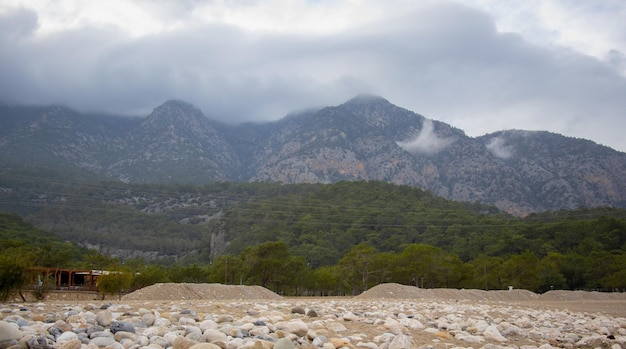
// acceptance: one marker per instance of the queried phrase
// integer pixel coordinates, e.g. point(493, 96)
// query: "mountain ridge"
point(365, 138)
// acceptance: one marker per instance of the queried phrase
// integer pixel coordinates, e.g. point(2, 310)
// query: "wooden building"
point(66, 279)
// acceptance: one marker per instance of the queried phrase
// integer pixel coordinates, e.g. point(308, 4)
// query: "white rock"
point(206, 324)
point(297, 327)
point(259, 331)
point(161, 322)
point(394, 326)
point(67, 336)
point(9, 331)
point(492, 333)
point(212, 335)
point(402, 342)
point(102, 341)
point(335, 326)
point(349, 316)
point(148, 319)
point(413, 324)
point(466, 337)
point(104, 318)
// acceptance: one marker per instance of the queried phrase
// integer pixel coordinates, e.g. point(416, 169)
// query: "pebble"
point(289, 324)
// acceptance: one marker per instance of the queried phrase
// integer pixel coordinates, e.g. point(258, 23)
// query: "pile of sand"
point(174, 291)
point(560, 295)
point(397, 291)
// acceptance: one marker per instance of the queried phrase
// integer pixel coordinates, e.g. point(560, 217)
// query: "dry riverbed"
point(211, 316)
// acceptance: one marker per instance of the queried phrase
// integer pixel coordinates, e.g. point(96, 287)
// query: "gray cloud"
point(446, 61)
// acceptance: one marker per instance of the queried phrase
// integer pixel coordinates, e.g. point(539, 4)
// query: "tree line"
point(338, 238)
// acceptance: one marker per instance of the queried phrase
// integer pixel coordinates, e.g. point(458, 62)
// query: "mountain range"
point(365, 138)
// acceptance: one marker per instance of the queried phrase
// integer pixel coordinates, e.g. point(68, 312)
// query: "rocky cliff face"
point(175, 143)
point(366, 138)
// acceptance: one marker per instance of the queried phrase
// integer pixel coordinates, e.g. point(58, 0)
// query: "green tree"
point(189, 274)
point(549, 272)
point(227, 269)
point(115, 282)
point(417, 265)
point(15, 265)
point(328, 280)
point(147, 275)
point(266, 263)
point(355, 266)
point(486, 272)
point(521, 271)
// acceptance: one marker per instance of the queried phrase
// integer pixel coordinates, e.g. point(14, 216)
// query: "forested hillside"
point(331, 238)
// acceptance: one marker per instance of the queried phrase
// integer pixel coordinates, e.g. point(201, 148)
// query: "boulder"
point(9, 331)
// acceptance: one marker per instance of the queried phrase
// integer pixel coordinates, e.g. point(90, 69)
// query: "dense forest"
point(313, 239)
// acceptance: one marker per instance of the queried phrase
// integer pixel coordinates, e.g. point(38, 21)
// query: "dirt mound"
point(398, 291)
point(174, 291)
point(560, 295)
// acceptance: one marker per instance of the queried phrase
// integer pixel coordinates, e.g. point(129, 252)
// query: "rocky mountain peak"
point(175, 111)
point(365, 138)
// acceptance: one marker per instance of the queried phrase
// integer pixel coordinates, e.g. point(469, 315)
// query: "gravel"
point(390, 316)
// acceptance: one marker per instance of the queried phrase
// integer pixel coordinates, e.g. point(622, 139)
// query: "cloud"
point(426, 141)
point(237, 62)
point(497, 147)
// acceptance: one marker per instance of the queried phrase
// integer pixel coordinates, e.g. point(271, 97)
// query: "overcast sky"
point(479, 65)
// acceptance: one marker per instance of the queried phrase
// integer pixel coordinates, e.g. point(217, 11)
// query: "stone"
point(491, 346)
point(492, 333)
point(55, 331)
point(297, 327)
point(117, 326)
point(182, 343)
point(340, 343)
point(336, 326)
point(119, 335)
point(311, 313)
point(148, 319)
point(9, 344)
point(413, 324)
point(72, 344)
point(39, 343)
point(349, 316)
point(206, 324)
point(102, 341)
point(224, 318)
point(464, 336)
point(212, 335)
point(160, 341)
point(298, 310)
point(104, 318)
point(67, 336)
point(9, 331)
point(284, 343)
point(402, 341)
point(394, 326)
point(319, 341)
point(205, 346)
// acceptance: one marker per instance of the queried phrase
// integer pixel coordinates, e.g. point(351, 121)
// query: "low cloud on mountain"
point(445, 60)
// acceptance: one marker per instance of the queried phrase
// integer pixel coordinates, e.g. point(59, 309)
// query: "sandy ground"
point(612, 304)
